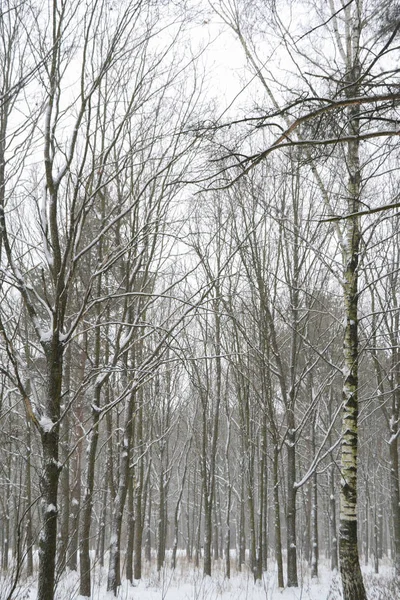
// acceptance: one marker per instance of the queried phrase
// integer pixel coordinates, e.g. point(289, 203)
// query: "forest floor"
point(187, 583)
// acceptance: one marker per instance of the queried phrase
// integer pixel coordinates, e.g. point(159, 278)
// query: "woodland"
point(199, 292)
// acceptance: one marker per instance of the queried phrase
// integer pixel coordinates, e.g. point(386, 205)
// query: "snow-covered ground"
point(188, 583)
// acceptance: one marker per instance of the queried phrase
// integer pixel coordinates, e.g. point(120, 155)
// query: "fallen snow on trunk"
point(46, 424)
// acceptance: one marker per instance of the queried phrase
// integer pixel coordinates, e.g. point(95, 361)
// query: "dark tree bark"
point(139, 494)
point(65, 472)
point(292, 580)
point(29, 527)
point(87, 504)
point(49, 432)
point(114, 570)
point(277, 517)
point(131, 528)
point(242, 522)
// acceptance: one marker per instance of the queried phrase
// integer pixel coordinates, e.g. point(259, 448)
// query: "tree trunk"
point(131, 528)
point(314, 513)
point(49, 431)
point(395, 494)
point(137, 563)
point(278, 536)
point(242, 524)
point(291, 509)
point(114, 571)
point(7, 510)
point(198, 532)
point(162, 516)
point(207, 532)
point(102, 527)
point(366, 528)
point(353, 586)
point(65, 486)
point(176, 518)
point(376, 538)
point(394, 440)
point(72, 561)
point(217, 529)
point(228, 533)
point(147, 537)
point(29, 529)
point(332, 520)
point(262, 500)
point(87, 507)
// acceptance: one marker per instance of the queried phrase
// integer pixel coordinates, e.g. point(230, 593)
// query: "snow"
point(125, 339)
point(46, 424)
point(188, 583)
point(46, 336)
point(51, 509)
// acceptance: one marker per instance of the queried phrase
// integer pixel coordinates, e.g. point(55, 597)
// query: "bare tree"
point(77, 169)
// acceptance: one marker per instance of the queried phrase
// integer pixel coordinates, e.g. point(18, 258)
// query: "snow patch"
point(46, 336)
point(46, 424)
point(346, 371)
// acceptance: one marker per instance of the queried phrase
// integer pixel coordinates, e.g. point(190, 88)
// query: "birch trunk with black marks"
point(332, 519)
point(353, 585)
